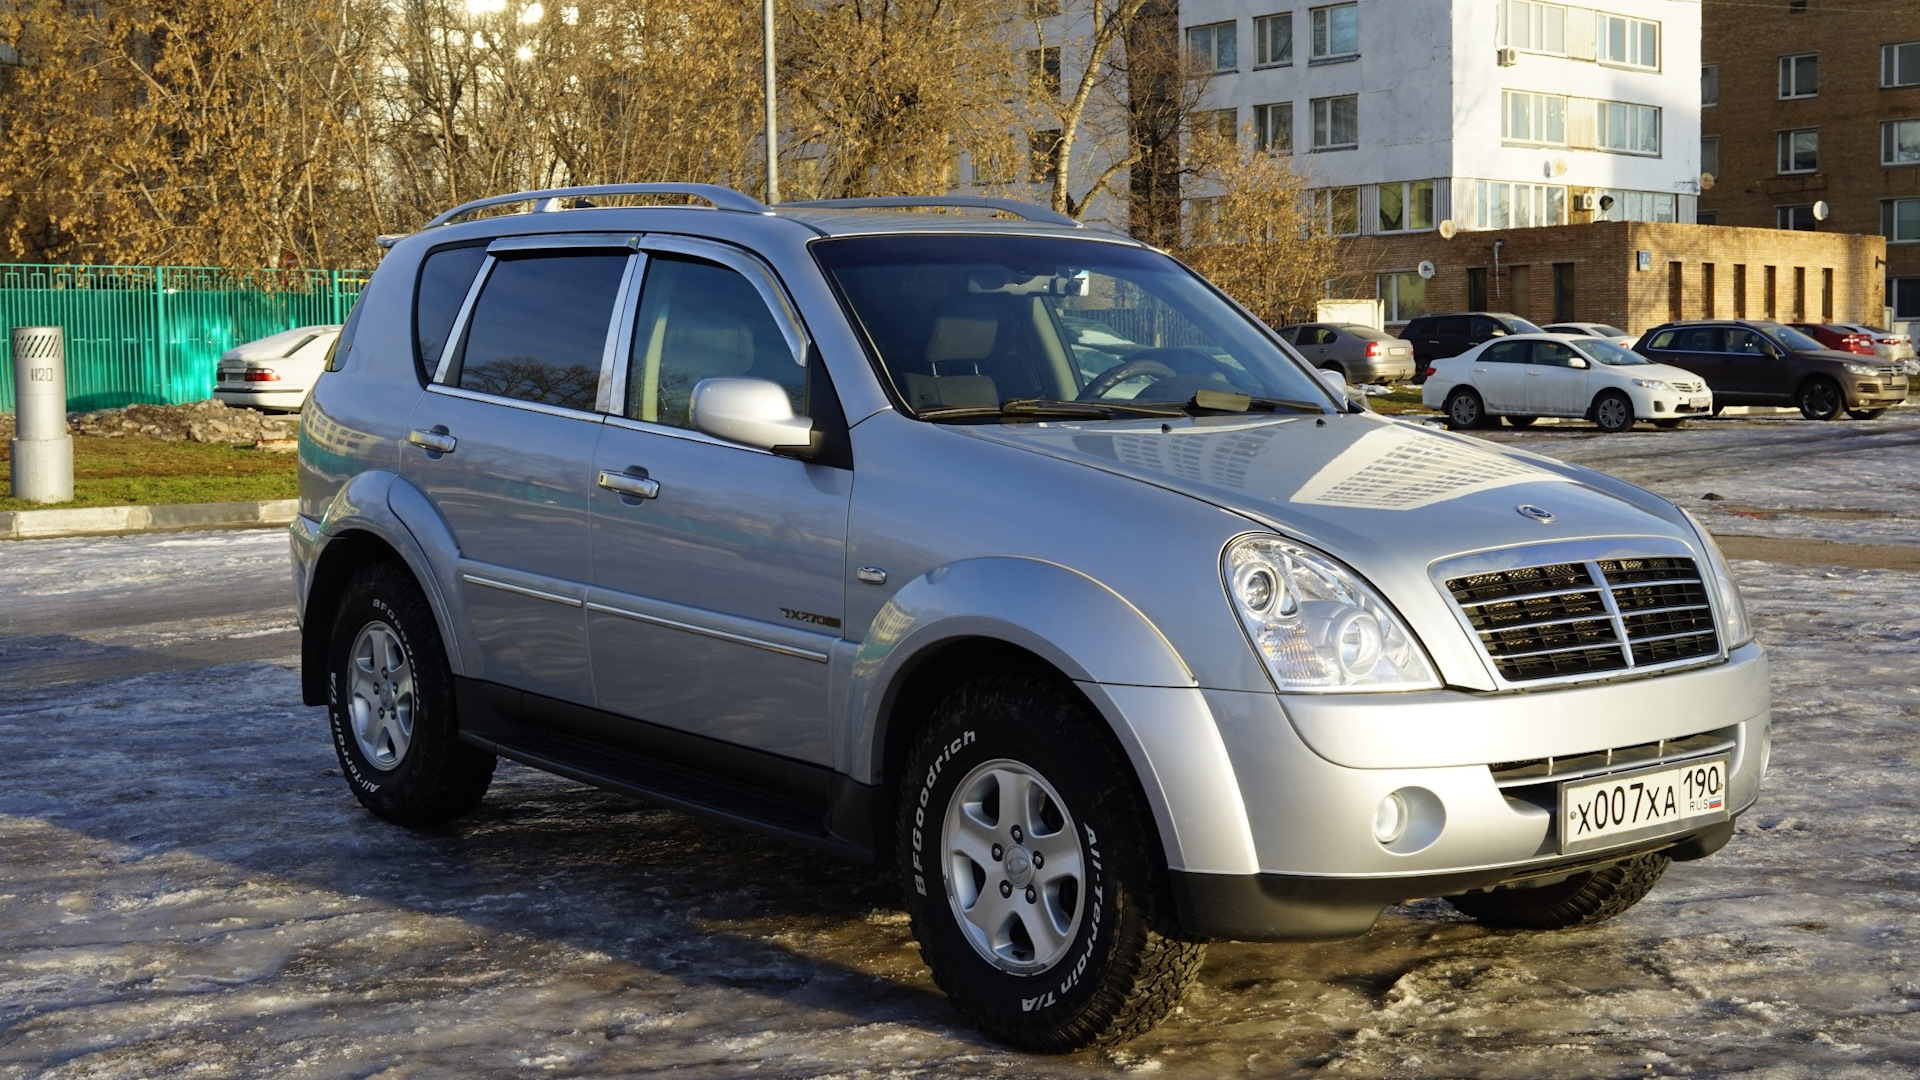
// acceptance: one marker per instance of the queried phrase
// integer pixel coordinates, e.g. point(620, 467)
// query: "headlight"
point(1863, 369)
point(1736, 627)
point(1652, 384)
point(1317, 625)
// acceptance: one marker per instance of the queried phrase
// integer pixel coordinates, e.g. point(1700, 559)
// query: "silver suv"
point(1008, 552)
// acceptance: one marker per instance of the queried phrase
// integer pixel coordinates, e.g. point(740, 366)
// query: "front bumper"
point(1876, 393)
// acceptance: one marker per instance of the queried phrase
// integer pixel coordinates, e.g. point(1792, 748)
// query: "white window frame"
point(1407, 190)
point(1322, 211)
point(1222, 125)
point(1790, 76)
point(1531, 26)
point(1890, 142)
point(1895, 73)
point(1322, 112)
point(1635, 120)
point(1890, 221)
point(1788, 160)
point(1639, 205)
point(1541, 122)
point(1264, 127)
point(1706, 102)
point(1265, 33)
point(1320, 24)
point(1633, 45)
point(1783, 217)
point(1213, 57)
point(1498, 204)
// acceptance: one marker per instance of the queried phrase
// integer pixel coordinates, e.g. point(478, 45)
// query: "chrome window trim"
point(563, 241)
point(515, 403)
point(522, 590)
point(707, 631)
point(689, 434)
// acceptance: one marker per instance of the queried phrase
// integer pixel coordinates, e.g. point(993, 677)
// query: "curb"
point(121, 520)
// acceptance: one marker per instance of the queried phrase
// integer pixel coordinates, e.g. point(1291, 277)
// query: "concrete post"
point(42, 449)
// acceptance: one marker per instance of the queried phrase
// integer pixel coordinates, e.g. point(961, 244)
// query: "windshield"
point(1604, 330)
point(970, 324)
point(1608, 353)
point(1788, 336)
point(1518, 325)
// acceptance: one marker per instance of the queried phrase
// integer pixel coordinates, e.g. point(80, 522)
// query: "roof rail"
point(1024, 210)
point(722, 198)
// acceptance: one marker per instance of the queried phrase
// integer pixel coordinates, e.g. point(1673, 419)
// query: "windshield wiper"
point(1223, 401)
point(1057, 408)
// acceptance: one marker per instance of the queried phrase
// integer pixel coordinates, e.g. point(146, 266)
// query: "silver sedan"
point(1361, 353)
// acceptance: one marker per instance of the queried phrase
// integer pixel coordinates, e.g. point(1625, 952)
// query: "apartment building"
point(1810, 120)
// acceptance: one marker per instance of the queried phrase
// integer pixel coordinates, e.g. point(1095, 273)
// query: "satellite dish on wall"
point(1448, 229)
point(1557, 167)
point(1706, 181)
point(1821, 210)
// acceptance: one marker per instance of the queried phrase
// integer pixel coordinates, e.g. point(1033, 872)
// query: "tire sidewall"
point(1600, 403)
point(1479, 409)
point(373, 598)
point(1827, 388)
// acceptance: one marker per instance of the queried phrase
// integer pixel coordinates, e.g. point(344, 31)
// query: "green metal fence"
point(155, 333)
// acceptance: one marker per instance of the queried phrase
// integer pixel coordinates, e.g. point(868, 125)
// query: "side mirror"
point(755, 412)
point(1336, 382)
point(1578, 364)
point(1497, 332)
point(1770, 349)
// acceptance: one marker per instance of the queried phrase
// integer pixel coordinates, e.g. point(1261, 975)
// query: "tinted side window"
point(1552, 354)
point(539, 328)
point(1484, 328)
point(699, 320)
point(1451, 326)
point(1745, 342)
point(342, 346)
point(1698, 339)
point(1506, 352)
point(1663, 339)
point(1323, 336)
point(445, 277)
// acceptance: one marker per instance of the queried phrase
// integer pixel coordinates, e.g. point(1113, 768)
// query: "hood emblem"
point(1538, 513)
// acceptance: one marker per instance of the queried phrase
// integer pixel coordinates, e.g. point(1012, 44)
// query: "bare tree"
point(1257, 238)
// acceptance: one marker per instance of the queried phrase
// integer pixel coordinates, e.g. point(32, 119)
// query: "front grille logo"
point(1537, 513)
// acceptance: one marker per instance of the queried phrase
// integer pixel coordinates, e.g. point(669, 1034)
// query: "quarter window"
point(539, 328)
point(1336, 122)
point(1406, 207)
point(445, 279)
point(699, 320)
point(1336, 31)
point(1628, 129)
point(1800, 75)
point(1215, 46)
point(1273, 40)
point(1900, 220)
point(1533, 118)
point(1900, 142)
point(1800, 150)
point(1620, 40)
point(1273, 127)
point(1535, 27)
point(1900, 64)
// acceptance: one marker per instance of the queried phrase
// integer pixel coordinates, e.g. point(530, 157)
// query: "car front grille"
point(1689, 387)
point(1590, 618)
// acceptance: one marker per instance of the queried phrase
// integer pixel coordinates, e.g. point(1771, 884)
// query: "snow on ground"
point(187, 889)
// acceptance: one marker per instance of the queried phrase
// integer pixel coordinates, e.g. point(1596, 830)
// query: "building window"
point(1904, 296)
point(1563, 292)
point(1710, 155)
point(1633, 42)
point(1405, 294)
point(1535, 27)
point(1336, 32)
point(1218, 127)
point(1769, 291)
point(1406, 207)
point(1336, 211)
point(1533, 118)
point(1739, 290)
point(1709, 84)
point(1618, 205)
point(1706, 217)
point(1707, 305)
point(1800, 150)
point(1627, 129)
point(1336, 122)
point(1273, 127)
point(1043, 158)
point(1826, 294)
point(1900, 142)
point(1214, 47)
point(1498, 205)
point(1273, 40)
point(1900, 220)
point(1477, 288)
point(1205, 210)
point(1900, 64)
point(1043, 67)
point(1800, 75)
point(1797, 218)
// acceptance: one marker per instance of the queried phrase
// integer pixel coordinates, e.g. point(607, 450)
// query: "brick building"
point(1632, 274)
point(1812, 101)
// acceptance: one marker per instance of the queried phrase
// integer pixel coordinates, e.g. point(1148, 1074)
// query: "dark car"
point(1360, 353)
point(1438, 336)
point(1836, 337)
point(1750, 362)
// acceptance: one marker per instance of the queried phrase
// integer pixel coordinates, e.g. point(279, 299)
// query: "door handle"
point(437, 441)
point(1481, 370)
point(1533, 372)
point(638, 486)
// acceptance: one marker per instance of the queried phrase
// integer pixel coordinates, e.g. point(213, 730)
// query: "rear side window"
point(1505, 352)
point(445, 277)
point(539, 329)
point(1699, 339)
point(1451, 326)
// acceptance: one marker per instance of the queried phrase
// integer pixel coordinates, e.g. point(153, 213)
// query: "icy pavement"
point(188, 890)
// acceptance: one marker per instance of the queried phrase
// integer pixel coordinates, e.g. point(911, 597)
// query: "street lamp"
point(773, 127)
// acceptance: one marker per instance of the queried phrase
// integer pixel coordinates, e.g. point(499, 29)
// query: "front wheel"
point(1820, 399)
point(1612, 411)
point(1464, 410)
point(1583, 899)
point(1036, 888)
point(1866, 414)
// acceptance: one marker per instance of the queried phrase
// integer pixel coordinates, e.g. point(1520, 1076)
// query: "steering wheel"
point(1121, 372)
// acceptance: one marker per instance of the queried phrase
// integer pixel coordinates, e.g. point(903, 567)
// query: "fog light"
point(1390, 818)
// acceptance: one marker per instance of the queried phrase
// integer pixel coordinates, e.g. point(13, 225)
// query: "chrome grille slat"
point(1518, 774)
point(1607, 616)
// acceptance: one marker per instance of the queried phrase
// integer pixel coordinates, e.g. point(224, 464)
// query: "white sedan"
point(1528, 376)
point(1593, 329)
point(275, 372)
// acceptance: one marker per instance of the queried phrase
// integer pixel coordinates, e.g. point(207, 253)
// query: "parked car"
point(1107, 667)
point(1436, 336)
point(1528, 376)
point(1753, 362)
point(1838, 338)
point(275, 372)
point(1593, 329)
point(1888, 345)
point(1359, 353)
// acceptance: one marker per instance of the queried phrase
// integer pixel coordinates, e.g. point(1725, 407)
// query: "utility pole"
point(773, 125)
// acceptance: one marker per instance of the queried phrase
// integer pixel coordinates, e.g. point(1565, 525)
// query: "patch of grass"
point(144, 472)
point(1404, 401)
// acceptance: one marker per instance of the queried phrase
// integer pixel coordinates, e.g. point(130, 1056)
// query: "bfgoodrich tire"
point(1581, 900)
point(390, 705)
point(1035, 884)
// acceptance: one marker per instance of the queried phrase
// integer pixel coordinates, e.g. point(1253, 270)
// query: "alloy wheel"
point(382, 698)
point(1013, 867)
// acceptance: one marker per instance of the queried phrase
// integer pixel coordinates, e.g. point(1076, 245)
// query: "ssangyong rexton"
point(1009, 552)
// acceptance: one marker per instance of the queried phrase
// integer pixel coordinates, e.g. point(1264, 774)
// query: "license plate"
point(1621, 807)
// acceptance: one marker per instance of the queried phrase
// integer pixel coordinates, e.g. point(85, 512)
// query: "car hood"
point(1666, 372)
point(1387, 496)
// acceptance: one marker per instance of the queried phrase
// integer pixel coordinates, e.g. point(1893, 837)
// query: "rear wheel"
point(1464, 410)
point(1866, 414)
point(1820, 399)
point(1612, 411)
point(1583, 899)
point(1036, 889)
